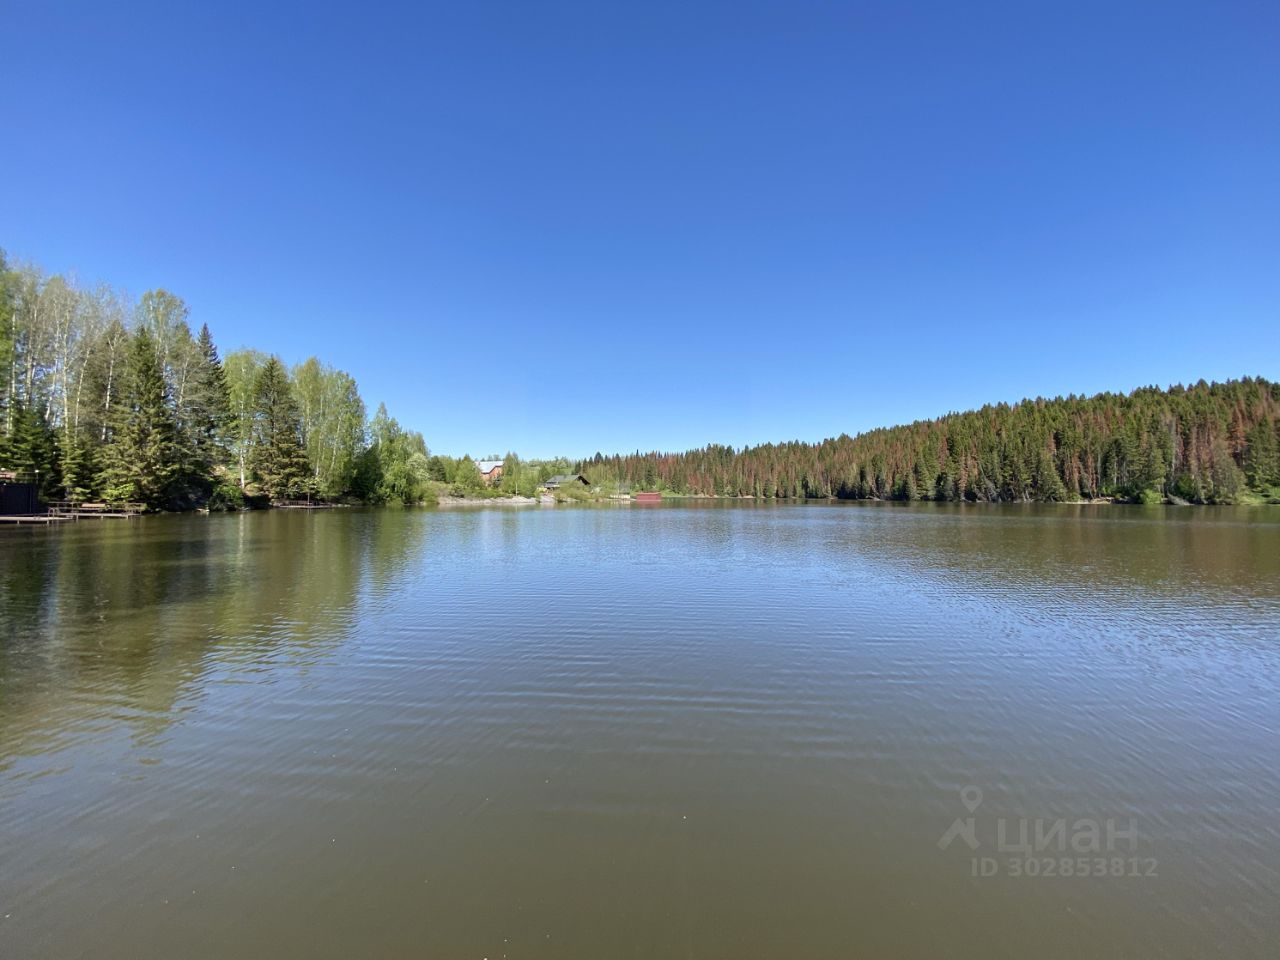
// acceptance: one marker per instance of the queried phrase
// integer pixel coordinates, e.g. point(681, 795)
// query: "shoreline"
point(452, 502)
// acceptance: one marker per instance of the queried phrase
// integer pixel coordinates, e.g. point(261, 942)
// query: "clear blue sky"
point(558, 228)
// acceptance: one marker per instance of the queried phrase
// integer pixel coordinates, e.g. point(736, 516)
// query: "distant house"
point(490, 470)
point(647, 496)
point(564, 480)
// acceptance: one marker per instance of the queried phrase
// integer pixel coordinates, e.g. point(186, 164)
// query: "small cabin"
point(565, 480)
point(490, 470)
point(647, 496)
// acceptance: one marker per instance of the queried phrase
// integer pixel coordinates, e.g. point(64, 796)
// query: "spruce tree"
point(31, 448)
point(141, 460)
point(209, 408)
point(278, 458)
point(1262, 458)
point(79, 466)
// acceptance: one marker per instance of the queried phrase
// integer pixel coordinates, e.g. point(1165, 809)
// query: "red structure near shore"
point(647, 496)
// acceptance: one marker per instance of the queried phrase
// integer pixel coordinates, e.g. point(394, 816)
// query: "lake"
point(706, 730)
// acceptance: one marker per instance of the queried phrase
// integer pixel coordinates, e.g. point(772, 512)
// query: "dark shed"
point(18, 497)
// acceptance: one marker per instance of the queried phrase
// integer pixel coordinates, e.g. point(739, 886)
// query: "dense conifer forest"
point(1206, 443)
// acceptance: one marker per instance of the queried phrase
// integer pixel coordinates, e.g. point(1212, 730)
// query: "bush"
point(226, 495)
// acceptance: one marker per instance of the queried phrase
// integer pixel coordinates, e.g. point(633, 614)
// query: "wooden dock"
point(64, 511)
point(97, 511)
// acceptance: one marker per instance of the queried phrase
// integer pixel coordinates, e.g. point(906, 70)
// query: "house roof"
point(487, 466)
point(566, 478)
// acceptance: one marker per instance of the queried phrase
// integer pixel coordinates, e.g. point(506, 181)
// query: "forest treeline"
point(1206, 443)
point(107, 398)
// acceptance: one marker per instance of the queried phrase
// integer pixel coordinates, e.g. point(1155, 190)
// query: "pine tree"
point(141, 460)
point(278, 458)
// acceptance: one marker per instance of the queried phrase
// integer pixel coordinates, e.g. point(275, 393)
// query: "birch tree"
point(332, 424)
point(242, 368)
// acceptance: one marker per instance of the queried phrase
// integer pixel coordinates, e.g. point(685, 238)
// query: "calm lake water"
point(725, 731)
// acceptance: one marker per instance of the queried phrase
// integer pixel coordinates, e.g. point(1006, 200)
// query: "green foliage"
point(104, 399)
point(278, 459)
point(141, 459)
point(226, 495)
point(164, 316)
point(1205, 443)
point(440, 469)
point(396, 467)
point(333, 425)
point(80, 468)
point(574, 491)
point(518, 477)
point(466, 479)
point(241, 370)
point(1262, 456)
point(30, 446)
point(208, 407)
